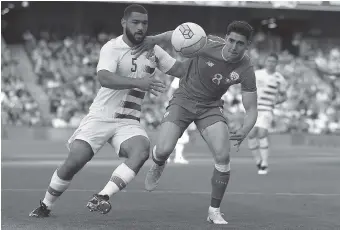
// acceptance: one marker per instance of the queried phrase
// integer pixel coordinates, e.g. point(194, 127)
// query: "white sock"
point(254, 148)
point(179, 151)
point(212, 209)
point(264, 155)
point(119, 179)
point(257, 155)
point(56, 188)
point(264, 151)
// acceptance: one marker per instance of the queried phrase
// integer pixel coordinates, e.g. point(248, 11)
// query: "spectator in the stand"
point(17, 105)
point(313, 98)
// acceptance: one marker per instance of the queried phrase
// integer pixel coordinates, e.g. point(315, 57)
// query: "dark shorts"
point(203, 118)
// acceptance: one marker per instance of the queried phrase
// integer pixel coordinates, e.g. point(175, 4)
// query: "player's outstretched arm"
point(178, 69)
point(149, 42)
point(249, 100)
point(111, 80)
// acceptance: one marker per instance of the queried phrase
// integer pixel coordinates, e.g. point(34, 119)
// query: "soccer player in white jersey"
point(185, 136)
point(114, 114)
point(271, 90)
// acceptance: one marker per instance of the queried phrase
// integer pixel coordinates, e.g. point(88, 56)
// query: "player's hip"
point(194, 105)
point(117, 115)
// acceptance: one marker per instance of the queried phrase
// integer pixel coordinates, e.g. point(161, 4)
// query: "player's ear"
point(123, 22)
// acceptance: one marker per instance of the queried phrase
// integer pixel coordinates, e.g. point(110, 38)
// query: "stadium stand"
point(65, 69)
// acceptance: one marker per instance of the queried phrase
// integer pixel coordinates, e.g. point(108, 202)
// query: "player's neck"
point(270, 71)
point(127, 41)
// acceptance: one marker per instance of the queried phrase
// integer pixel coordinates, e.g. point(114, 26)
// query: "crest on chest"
point(225, 78)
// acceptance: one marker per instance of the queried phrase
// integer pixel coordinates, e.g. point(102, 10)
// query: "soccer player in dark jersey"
point(204, 79)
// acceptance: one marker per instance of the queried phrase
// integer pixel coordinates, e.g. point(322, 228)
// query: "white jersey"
point(115, 56)
point(268, 88)
point(175, 83)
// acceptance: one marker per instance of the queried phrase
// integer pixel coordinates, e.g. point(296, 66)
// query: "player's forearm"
point(116, 82)
point(163, 39)
point(249, 119)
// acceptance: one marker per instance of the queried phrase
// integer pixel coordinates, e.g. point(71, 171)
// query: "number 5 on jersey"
point(134, 65)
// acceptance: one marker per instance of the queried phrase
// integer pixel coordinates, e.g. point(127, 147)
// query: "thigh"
point(264, 119)
point(262, 133)
point(94, 131)
point(217, 138)
point(253, 132)
point(168, 136)
point(209, 117)
point(179, 116)
point(134, 145)
point(125, 130)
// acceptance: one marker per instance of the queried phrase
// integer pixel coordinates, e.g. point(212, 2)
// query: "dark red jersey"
point(209, 76)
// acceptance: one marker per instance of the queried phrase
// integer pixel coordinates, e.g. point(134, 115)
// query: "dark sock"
point(219, 183)
point(158, 162)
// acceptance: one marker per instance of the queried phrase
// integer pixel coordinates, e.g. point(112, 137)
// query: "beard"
point(132, 38)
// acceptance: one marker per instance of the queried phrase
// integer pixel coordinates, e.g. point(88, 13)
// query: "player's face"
point(136, 26)
point(271, 64)
point(236, 45)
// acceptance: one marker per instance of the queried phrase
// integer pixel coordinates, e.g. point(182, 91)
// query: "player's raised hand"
point(147, 45)
point(238, 136)
point(149, 83)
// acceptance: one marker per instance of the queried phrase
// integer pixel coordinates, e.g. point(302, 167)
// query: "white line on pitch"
point(181, 192)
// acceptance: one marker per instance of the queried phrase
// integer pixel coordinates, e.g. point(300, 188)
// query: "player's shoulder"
point(260, 72)
point(215, 39)
point(280, 77)
point(246, 61)
point(214, 42)
point(115, 43)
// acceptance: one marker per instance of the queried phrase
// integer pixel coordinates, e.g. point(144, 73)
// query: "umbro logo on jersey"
point(210, 64)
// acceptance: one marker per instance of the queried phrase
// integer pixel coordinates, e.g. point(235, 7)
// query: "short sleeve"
point(175, 83)
point(108, 58)
point(248, 83)
point(165, 61)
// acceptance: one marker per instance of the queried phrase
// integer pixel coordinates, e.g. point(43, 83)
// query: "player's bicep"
point(178, 69)
point(107, 59)
point(248, 83)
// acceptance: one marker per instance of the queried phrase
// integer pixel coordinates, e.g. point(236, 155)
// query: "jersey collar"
point(121, 42)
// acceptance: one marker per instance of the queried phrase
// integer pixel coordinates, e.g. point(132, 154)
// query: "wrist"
point(136, 83)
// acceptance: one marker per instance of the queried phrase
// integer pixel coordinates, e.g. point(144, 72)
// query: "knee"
point(140, 152)
point(252, 143)
point(222, 156)
point(80, 154)
point(163, 151)
point(263, 142)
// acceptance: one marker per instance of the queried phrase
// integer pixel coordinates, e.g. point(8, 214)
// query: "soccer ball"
point(188, 38)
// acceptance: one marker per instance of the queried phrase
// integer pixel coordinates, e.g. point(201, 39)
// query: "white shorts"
point(184, 138)
point(264, 119)
point(97, 131)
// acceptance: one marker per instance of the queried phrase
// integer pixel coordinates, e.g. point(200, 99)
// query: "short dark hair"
point(134, 8)
point(241, 27)
point(274, 55)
